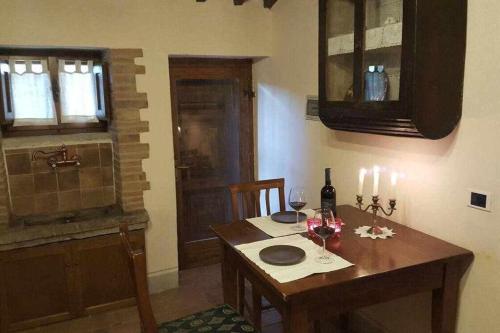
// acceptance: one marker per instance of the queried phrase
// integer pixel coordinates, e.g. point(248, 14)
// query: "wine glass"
point(312, 223)
point(297, 200)
point(324, 231)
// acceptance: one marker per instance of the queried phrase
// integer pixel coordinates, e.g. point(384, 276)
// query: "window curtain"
point(78, 92)
point(32, 100)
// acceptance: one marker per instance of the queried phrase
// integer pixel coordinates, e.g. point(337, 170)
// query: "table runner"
point(294, 272)
point(275, 229)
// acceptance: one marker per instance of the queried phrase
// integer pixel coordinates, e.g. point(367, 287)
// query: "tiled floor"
point(199, 289)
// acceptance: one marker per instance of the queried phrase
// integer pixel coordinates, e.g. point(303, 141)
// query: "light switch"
point(480, 200)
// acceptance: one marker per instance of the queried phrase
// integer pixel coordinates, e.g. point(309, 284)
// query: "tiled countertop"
point(28, 236)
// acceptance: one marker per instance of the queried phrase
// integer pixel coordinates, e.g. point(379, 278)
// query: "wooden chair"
point(250, 194)
point(212, 320)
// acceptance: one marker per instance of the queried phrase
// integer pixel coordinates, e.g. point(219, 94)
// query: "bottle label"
point(327, 204)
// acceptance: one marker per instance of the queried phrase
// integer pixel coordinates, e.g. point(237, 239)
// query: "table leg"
point(229, 277)
point(241, 292)
point(445, 301)
point(256, 309)
point(296, 320)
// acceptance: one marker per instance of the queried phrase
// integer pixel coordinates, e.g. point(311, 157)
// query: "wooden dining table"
point(411, 262)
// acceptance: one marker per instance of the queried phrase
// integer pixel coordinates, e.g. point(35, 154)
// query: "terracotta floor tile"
point(124, 328)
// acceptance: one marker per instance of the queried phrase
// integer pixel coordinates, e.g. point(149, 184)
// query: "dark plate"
point(288, 217)
point(282, 255)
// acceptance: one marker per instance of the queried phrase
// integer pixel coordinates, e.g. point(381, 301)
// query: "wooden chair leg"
point(256, 309)
point(241, 293)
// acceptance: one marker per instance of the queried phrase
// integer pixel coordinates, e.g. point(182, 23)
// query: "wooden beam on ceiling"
point(267, 3)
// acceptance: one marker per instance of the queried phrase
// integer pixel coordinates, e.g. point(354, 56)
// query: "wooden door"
point(212, 122)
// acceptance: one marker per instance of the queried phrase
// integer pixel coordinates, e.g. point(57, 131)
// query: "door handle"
point(181, 171)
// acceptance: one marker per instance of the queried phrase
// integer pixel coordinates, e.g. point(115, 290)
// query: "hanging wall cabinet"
point(392, 67)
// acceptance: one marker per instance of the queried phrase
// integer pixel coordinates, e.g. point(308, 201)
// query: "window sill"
point(10, 131)
point(54, 140)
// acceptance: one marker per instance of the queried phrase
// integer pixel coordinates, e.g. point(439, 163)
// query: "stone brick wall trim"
point(126, 126)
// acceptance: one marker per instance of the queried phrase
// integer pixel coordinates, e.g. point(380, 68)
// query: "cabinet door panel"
point(340, 60)
point(382, 50)
point(36, 286)
point(102, 272)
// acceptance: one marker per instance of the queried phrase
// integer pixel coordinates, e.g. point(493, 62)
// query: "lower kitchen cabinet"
point(60, 281)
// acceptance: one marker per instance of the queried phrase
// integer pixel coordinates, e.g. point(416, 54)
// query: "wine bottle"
point(328, 194)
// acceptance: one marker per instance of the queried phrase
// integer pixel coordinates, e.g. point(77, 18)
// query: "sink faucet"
point(57, 158)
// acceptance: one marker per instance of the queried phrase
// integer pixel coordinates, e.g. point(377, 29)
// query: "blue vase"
point(376, 82)
point(369, 83)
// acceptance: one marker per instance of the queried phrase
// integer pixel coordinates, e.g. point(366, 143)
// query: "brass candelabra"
point(375, 206)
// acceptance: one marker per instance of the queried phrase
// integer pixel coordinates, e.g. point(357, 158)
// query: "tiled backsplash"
point(35, 188)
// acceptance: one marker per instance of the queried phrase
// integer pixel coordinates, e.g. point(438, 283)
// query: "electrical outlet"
point(479, 200)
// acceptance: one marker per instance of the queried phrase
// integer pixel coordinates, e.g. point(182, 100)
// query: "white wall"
point(432, 196)
point(161, 28)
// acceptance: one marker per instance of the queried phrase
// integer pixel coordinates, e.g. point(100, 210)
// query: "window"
point(51, 92)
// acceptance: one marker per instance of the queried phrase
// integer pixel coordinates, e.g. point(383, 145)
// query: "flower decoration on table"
point(313, 222)
point(374, 231)
point(363, 232)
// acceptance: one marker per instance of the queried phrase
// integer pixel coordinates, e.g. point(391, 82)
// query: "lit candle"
point(376, 179)
point(394, 181)
point(362, 173)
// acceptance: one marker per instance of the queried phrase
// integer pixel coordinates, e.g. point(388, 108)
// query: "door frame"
point(213, 69)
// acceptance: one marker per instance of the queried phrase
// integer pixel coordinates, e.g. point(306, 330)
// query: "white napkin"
point(276, 229)
point(294, 272)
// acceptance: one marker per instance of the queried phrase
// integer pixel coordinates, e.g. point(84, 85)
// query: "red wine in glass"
point(297, 205)
point(324, 231)
point(297, 200)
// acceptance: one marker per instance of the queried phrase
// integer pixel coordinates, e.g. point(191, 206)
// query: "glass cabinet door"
point(382, 50)
point(364, 49)
point(340, 59)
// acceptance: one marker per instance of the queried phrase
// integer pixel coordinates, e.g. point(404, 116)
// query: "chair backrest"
point(136, 259)
point(250, 193)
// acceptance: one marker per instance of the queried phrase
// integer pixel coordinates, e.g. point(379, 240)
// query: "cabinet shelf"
point(387, 36)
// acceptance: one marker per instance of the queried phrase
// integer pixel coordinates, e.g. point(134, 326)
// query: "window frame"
point(52, 56)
